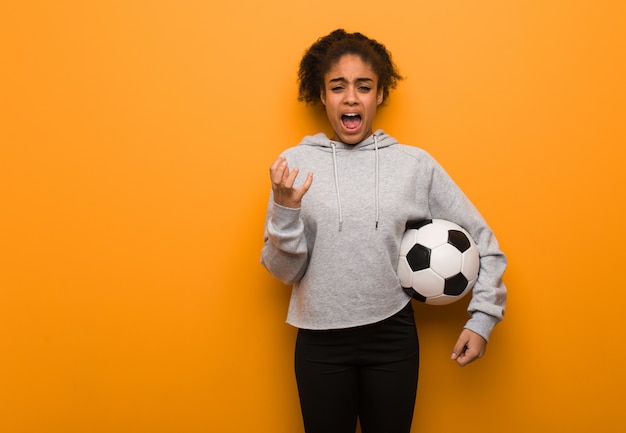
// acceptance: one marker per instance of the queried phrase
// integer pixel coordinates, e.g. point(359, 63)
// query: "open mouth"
point(351, 120)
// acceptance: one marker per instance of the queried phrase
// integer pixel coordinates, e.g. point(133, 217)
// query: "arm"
point(487, 305)
point(285, 251)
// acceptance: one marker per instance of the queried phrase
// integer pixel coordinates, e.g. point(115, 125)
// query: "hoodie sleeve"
point(447, 201)
point(285, 251)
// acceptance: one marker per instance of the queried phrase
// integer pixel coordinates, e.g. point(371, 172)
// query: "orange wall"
point(135, 141)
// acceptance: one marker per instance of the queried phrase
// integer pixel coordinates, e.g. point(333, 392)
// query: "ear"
point(323, 96)
point(379, 97)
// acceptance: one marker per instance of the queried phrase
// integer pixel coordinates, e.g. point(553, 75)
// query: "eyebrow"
point(344, 80)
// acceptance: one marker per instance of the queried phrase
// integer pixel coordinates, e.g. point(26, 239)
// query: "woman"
point(334, 234)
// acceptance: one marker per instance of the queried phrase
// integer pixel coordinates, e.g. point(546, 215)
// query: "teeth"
point(351, 114)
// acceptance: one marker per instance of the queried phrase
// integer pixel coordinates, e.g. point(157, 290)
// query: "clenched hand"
point(469, 347)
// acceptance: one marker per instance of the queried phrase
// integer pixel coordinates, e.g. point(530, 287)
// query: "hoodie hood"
point(374, 142)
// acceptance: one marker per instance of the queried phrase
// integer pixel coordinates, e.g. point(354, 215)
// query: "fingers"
point(469, 347)
point(459, 349)
point(283, 181)
point(307, 183)
point(280, 174)
point(289, 178)
point(278, 170)
point(467, 355)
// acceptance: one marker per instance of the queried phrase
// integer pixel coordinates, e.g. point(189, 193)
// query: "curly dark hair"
point(327, 50)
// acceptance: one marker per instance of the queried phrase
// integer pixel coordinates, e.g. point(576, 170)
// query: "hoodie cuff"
point(482, 324)
point(285, 219)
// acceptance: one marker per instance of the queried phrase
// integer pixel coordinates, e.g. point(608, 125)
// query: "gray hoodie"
point(340, 249)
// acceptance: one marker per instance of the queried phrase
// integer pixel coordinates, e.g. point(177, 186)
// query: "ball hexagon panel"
point(471, 263)
point(446, 260)
point(408, 240)
point(428, 282)
point(439, 300)
point(432, 235)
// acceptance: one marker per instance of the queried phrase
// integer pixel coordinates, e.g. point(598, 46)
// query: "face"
point(351, 97)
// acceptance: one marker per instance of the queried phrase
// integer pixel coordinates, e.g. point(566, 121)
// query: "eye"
point(364, 88)
point(336, 88)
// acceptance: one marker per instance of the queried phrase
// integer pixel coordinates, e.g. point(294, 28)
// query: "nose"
point(351, 96)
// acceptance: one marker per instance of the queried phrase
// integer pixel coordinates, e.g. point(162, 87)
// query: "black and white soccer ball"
point(439, 261)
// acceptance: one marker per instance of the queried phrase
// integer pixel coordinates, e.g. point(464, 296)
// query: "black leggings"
point(368, 372)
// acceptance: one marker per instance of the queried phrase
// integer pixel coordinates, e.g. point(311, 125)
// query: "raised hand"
point(282, 184)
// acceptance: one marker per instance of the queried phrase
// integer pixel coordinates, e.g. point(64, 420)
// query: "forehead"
point(350, 67)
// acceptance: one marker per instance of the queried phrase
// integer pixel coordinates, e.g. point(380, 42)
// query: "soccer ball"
point(438, 262)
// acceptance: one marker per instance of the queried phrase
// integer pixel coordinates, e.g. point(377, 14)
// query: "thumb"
point(460, 346)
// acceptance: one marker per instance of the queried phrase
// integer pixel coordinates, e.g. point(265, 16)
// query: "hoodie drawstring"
point(376, 179)
point(337, 184)
point(376, 174)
